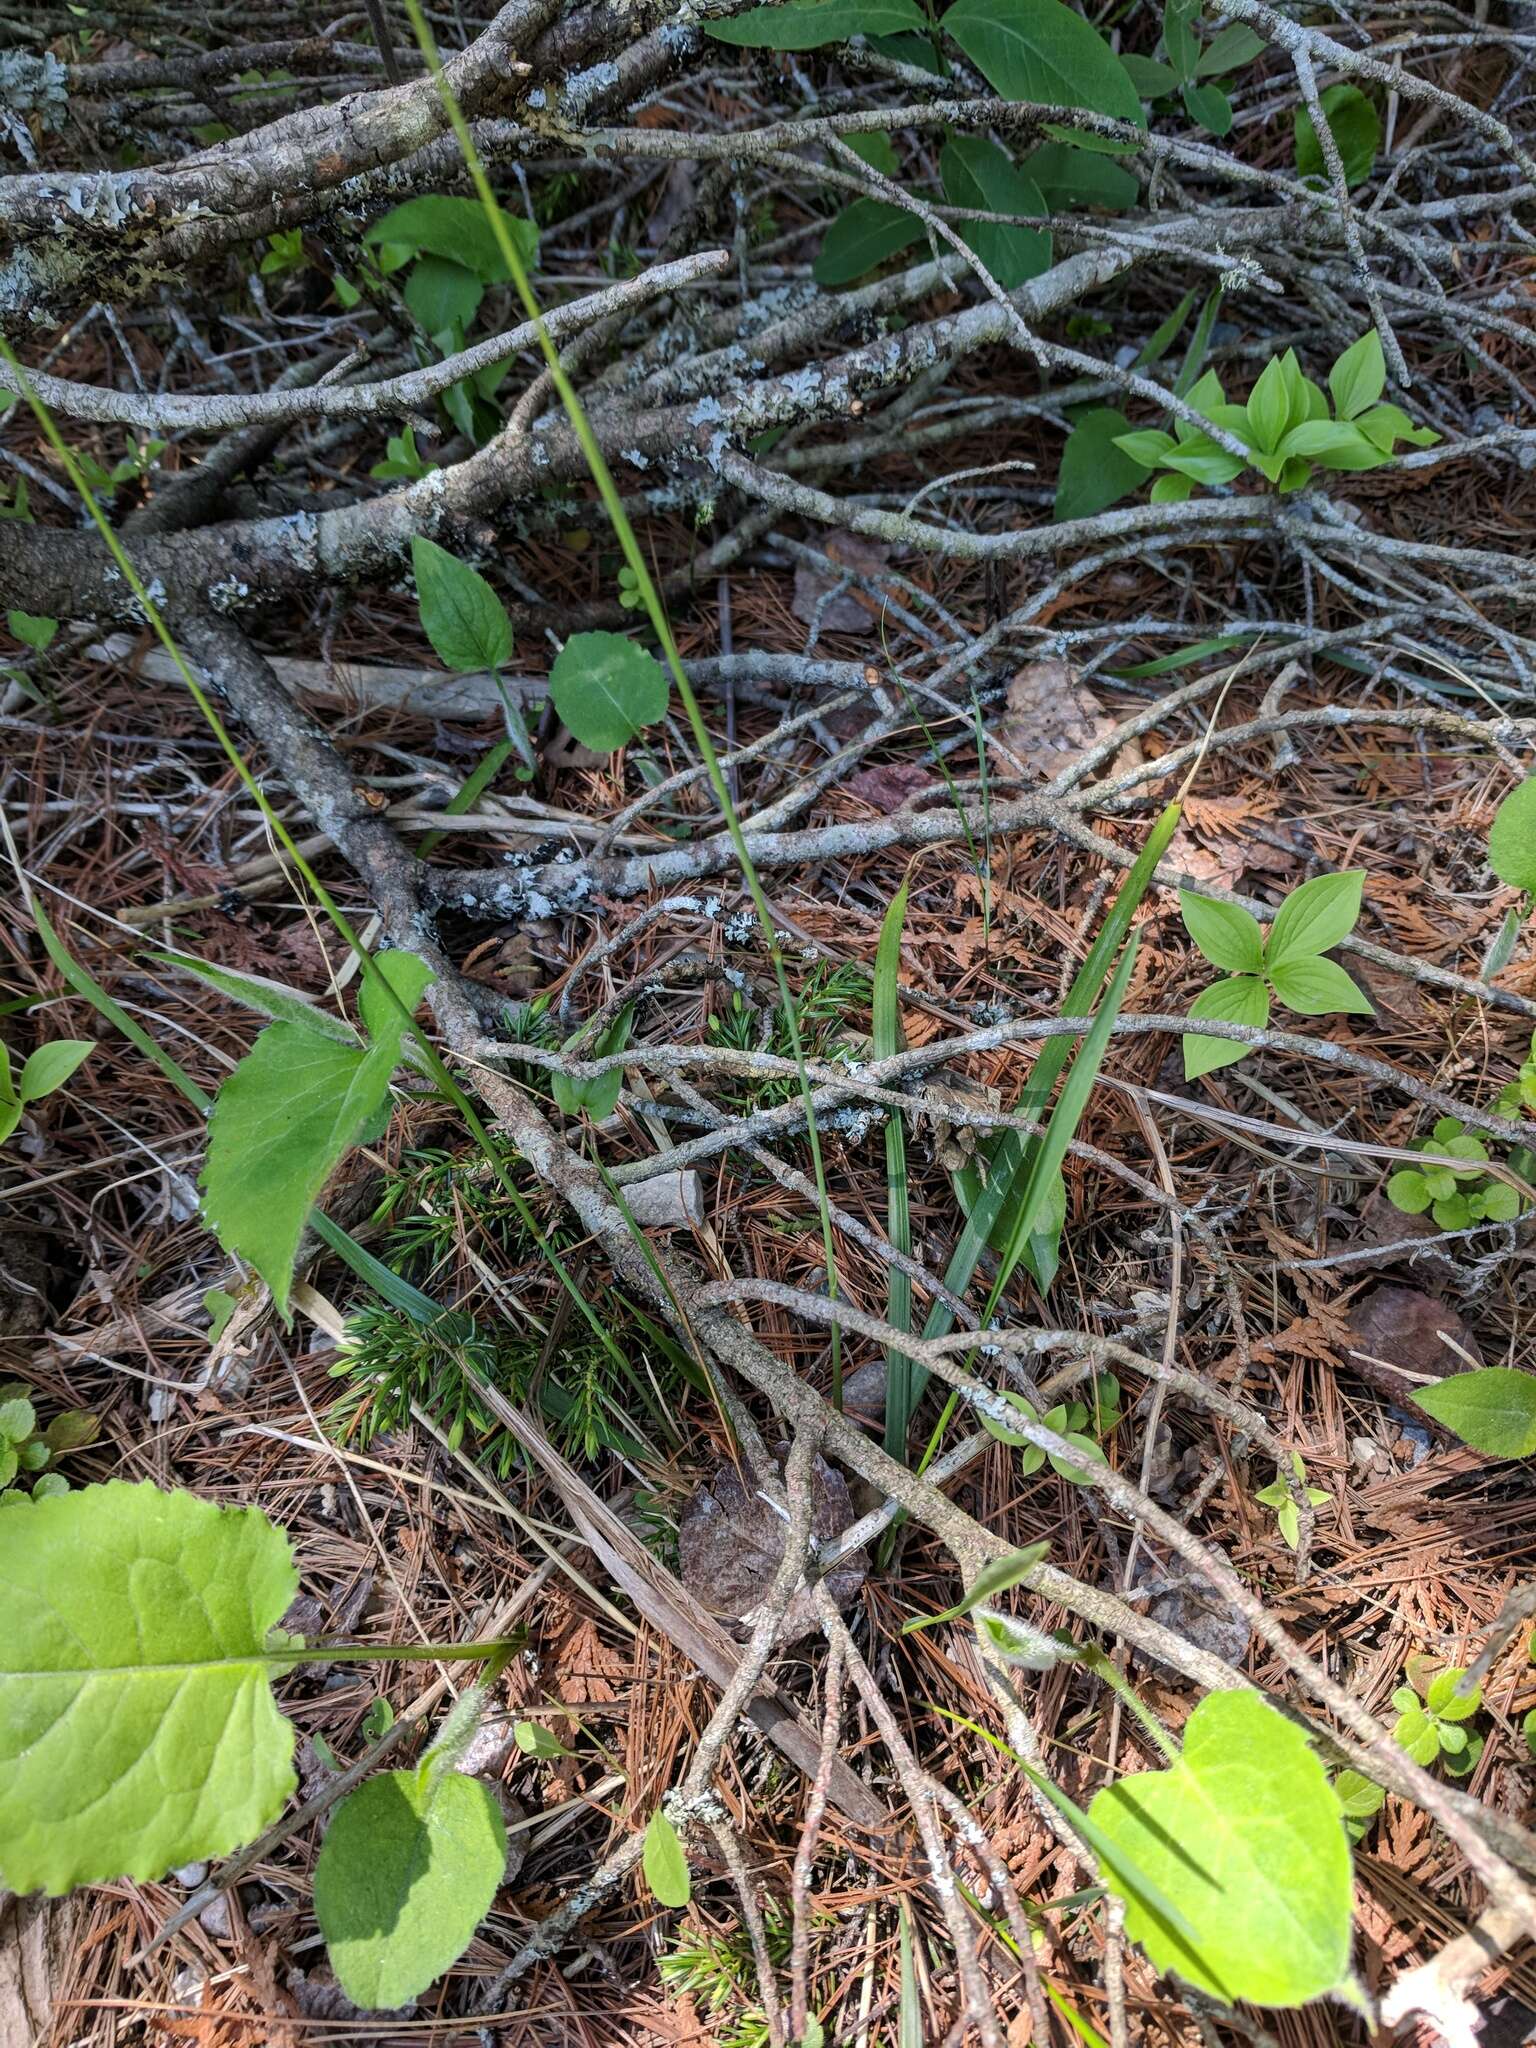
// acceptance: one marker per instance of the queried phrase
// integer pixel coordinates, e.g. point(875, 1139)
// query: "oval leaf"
point(1512, 842)
point(1318, 988)
point(664, 1863)
point(1226, 934)
point(1493, 1409)
point(51, 1066)
point(408, 1870)
point(137, 1725)
point(606, 688)
point(1040, 50)
point(1315, 917)
point(1244, 1836)
point(1242, 1000)
point(809, 24)
point(461, 615)
point(863, 234)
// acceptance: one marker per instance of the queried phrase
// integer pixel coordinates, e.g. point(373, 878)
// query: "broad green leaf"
point(1152, 80)
point(408, 1869)
point(1269, 406)
point(1071, 179)
point(1209, 105)
point(996, 1577)
point(664, 1863)
point(137, 1725)
point(1226, 934)
point(975, 172)
point(440, 292)
point(1493, 1409)
point(32, 629)
point(1385, 425)
point(461, 614)
point(1318, 988)
point(1235, 45)
point(864, 234)
point(1338, 444)
point(18, 1418)
point(1443, 1698)
point(606, 688)
point(1041, 50)
point(1359, 376)
point(1245, 1836)
point(1512, 842)
point(876, 149)
point(534, 1740)
point(1315, 917)
point(1356, 128)
point(1409, 1191)
point(269, 998)
point(1242, 1000)
point(1203, 460)
point(1147, 447)
point(1096, 472)
point(457, 229)
point(809, 24)
point(1179, 35)
point(283, 1120)
point(1358, 1796)
point(598, 1096)
point(51, 1066)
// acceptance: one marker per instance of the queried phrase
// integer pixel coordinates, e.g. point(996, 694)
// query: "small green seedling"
point(44, 1072)
point(1277, 1495)
point(285, 252)
point(1431, 1715)
point(1187, 65)
point(1068, 1419)
point(27, 1452)
point(135, 464)
point(1361, 1801)
point(1286, 426)
point(402, 459)
point(1457, 1196)
point(1289, 961)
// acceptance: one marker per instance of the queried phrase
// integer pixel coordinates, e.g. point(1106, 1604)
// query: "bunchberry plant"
point(1277, 1495)
point(1431, 1716)
point(45, 1071)
point(1069, 1419)
point(1456, 1196)
point(1286, 426)
point(1288, 962)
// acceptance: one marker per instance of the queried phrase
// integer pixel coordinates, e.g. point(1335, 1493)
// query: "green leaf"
point(1318, 988)
point(137, 1725)
point(863, 234)
point(51, 1066)
point(285, 1117)
point(1442, 1698)
point(1500, 1203)
point(1337, 444)
point(1355, 126)
point(461, 614)
point(606, 689)
point(458, 230)
point(268, 998)
point(1040, 50)
point(18, 1419)
point(1152, 80)
point(1493, 1409)
point(809, 24)
point(1358, 1796)
point(1409, 1191)
point(975, 172)
point(1241, 1000)
point(1269, 406)
point(1096, 472)
point(1512, 841)
point(664, 1863)
point(598, 1096)
point(533, 1740)
point(1245, 1837)
point(996, 1577)
point(408, 1869)
point(1359, 376)
point(1226, 934)
point(1179, 35)
point(71, 1430)
point(1071, 179)
point(1016, 1643)
point(1235, 45)
point(440, 292)
point(1147, 447)
point(875, 148)
point(1208, 105)
point(1315, 917)
point(1528, 1730)
point(32, 629)
point(1385, 425)
point(1204, 460)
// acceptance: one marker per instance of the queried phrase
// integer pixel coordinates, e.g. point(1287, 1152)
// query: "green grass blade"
point(899, 1369)
point(85, 984)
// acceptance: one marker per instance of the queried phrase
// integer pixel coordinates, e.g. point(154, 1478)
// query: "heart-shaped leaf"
point(606, 688)
point(137, 1725)
point(1245, 1837)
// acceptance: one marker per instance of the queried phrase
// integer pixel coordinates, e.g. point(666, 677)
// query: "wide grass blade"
point(899, 1369)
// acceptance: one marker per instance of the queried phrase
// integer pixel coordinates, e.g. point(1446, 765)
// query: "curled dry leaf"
point(850, 611)
point(889, 784)
point(955, 1144)
point(1399, 1329)
point(730, 1543)
point(1051, 720)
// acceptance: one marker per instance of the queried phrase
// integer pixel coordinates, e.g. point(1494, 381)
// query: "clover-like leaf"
point(137, 1725)
point(409, 1868)
point(1244, 1836)
point(606, 688)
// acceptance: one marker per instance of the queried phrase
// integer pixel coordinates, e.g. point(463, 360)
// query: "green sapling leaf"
point(664, 1862)
point(1493, 1409)
point(606, 688)
point(461, 614)
point(1229, 936)
point(1314, 917)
